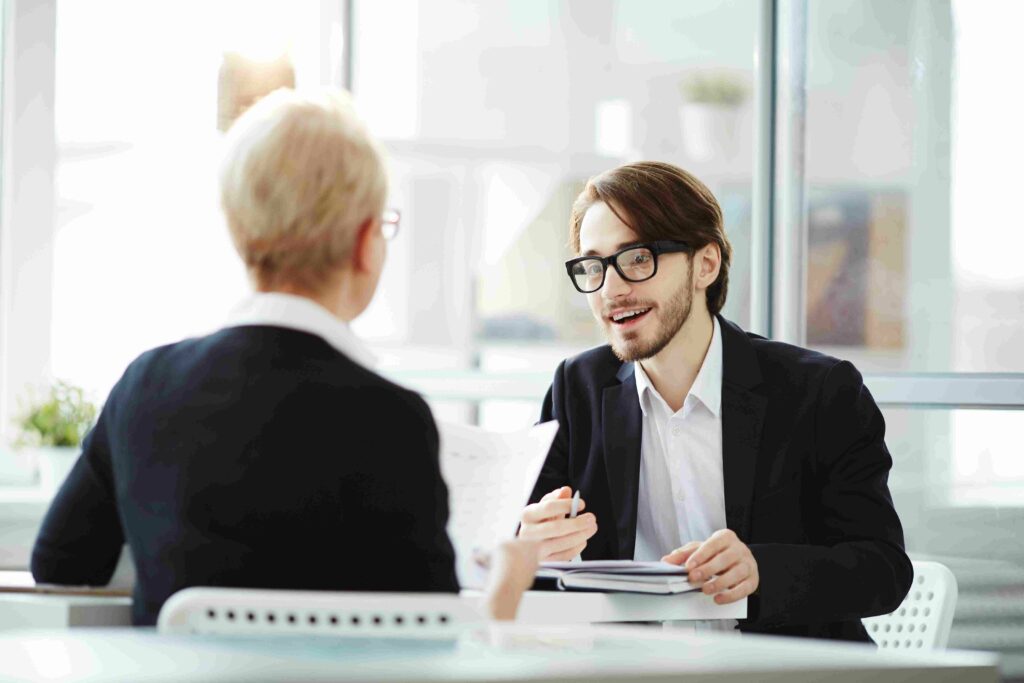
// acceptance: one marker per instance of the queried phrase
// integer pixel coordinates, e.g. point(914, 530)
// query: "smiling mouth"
point(624, 318)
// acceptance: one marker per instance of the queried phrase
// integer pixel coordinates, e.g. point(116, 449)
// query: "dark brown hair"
point(659, 201)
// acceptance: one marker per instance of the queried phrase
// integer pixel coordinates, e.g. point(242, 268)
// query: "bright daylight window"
point(496, 114)
point(913, 267)
point(142, 255)
point(912, 258)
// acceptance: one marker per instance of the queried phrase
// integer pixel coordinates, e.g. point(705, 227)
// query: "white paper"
point(490, 476)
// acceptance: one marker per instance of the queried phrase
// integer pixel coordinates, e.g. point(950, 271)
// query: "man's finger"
point(740, 591)
point(535, 513)
point(563, 553)
point(559, 527)
point(553, 546)
point(680, 555)
point(717, 564)
point(561, 492)
point(566, 555)
point(554, 508)
point(736, 574)
point(711, 547)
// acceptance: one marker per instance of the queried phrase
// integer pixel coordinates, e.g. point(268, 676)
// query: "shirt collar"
point(707, 386)
point(305, 315)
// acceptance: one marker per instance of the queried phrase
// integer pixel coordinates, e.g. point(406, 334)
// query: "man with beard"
point(758, 465)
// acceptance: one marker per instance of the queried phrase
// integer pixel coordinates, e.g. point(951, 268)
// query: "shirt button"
point(676, 431)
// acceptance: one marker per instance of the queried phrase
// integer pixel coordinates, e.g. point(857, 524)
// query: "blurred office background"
point(867, 155)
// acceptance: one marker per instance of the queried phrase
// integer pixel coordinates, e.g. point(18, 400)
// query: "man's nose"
point(614, 285)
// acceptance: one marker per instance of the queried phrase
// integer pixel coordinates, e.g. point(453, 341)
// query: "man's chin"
point(629, 350)
point(635, 347)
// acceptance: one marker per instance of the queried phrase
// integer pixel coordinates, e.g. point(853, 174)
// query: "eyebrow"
point(622, 245)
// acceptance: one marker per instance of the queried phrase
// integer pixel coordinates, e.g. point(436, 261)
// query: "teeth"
point(628, 314)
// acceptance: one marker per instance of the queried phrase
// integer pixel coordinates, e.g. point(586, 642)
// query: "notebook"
point(617, 576)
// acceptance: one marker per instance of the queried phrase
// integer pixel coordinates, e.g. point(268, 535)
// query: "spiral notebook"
point(617, 576)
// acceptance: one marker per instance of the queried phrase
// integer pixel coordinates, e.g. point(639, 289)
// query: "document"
point(619, 576)
point(490, 476)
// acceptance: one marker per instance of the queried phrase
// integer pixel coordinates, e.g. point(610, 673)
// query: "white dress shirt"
point(305, 315)
point(682, 488)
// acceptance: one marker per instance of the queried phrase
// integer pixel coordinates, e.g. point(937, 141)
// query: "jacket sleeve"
point(855, 565)
point(404, 500)
point(555, 472)
point(436, 551)
point(80, 539)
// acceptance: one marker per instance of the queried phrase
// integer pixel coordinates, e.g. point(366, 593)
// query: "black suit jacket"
point(255, 457)
point(805, 471)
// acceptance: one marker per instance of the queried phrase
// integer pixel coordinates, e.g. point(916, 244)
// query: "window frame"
point(778, 229)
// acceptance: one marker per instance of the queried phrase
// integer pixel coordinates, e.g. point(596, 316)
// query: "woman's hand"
point(513, 565)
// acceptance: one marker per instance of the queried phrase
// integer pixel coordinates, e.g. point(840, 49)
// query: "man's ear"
point(363, 251)
point(707, 262)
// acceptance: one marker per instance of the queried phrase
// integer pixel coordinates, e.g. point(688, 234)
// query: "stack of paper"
point(622, 576)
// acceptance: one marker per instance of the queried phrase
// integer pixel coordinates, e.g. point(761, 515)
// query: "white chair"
point(923, 619)
point(245, 611)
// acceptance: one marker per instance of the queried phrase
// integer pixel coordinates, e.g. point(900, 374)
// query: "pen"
point(575, 504)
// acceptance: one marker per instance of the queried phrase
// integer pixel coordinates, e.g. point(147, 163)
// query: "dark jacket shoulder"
point(775, 359)
point(598, 365)
point(789, 369)
point(262, 350)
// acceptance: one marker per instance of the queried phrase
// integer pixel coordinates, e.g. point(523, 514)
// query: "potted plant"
point(54, 428)
point(709, 113)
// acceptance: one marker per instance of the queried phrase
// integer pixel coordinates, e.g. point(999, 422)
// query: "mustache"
point(606, 311)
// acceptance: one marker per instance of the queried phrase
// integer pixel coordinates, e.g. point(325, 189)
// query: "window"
point(913, 271)
point(913, 245)
point(141, 253)
point(495, 115)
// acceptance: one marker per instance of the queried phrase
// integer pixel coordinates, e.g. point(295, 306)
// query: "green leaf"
point(63, 418)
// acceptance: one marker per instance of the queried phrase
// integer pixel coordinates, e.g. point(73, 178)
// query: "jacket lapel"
point(622, 424)
point(743, 413)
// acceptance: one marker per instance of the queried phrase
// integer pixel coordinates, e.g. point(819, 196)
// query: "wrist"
point(502, 601)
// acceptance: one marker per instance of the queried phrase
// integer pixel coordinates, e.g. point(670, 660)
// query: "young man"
point(759, 465)
point(268, 454)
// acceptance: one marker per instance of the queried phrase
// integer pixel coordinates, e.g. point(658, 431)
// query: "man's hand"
point(546, 521)
point(723, 564)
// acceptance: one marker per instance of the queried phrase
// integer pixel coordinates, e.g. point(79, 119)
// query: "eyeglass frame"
point(656, 248)
point(390, 221)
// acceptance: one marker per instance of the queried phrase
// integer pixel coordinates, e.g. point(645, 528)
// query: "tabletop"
point(505, 652)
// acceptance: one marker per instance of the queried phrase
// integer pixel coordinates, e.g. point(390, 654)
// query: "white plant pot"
point(54, 463)
point(17, 467)
point(709, 130)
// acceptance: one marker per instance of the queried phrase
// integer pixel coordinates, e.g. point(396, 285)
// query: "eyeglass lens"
point(635, 265)
point(389, 223)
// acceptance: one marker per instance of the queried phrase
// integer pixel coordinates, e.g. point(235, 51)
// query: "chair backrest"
point(256, 611)
point(923, 619)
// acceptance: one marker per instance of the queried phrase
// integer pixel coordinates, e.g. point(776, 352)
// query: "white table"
point(30, 610)
point(25, 605)
point(512, 653)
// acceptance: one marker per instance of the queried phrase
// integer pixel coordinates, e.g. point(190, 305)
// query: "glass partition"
point(958, 484)
point(912, 169)
point(496, 113)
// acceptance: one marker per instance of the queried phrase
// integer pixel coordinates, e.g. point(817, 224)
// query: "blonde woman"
point(269, 454)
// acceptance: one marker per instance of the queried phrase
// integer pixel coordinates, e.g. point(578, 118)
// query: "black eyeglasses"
point(389, 223)
point(634, 264)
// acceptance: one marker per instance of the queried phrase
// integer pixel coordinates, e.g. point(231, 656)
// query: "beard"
point(671, 318)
